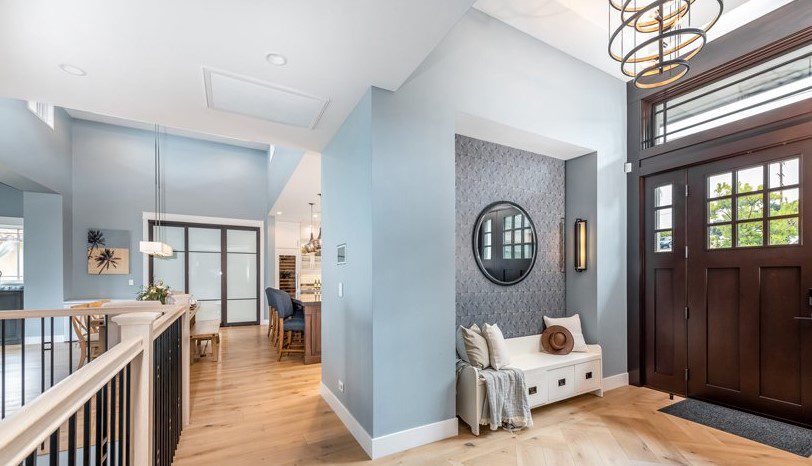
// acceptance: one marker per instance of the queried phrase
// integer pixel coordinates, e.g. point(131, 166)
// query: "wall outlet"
point(340, 385)
point(132, 282)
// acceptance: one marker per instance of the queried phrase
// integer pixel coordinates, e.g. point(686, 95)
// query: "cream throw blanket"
point(506, 402)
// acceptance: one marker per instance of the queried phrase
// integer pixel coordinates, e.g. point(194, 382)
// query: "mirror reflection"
point(505, 243)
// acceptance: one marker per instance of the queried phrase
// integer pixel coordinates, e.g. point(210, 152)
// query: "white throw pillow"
point(499, 355)
point(461, 353)
point(573, 324)
point(476, 347)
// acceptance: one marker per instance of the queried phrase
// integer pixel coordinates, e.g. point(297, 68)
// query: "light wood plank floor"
point(251, 410)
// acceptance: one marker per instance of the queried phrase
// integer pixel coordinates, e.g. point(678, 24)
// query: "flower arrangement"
point(154, 292)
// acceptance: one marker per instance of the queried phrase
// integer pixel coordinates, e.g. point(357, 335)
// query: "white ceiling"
point(303, 186)
point(144, 59)
point(580, 27)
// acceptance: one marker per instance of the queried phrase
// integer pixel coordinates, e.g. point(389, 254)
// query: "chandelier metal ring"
point(663, 35)
point(629, 58)
point(670, 65)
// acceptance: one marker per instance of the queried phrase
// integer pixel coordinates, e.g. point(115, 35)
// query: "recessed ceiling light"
point(74, 70)
point(276, 59)
point(279, 213)
point(315, 215)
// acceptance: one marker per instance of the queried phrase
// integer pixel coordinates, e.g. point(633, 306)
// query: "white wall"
point(490, 70)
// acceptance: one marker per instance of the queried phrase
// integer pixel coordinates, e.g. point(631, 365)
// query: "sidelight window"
point(755, 213)
point(663, 218)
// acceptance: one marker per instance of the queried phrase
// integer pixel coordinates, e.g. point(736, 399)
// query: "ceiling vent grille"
point(250, 97)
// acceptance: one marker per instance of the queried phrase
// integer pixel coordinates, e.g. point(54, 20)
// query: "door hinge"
point(686, 312)
point(686, 375)
point(686, 252)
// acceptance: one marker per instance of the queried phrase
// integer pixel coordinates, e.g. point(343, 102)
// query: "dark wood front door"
point(749, 275)
point(664, 243)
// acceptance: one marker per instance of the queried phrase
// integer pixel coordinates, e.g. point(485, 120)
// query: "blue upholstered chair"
point(288, 321)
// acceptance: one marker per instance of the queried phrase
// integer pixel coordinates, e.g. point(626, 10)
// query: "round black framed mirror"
point(505, 243)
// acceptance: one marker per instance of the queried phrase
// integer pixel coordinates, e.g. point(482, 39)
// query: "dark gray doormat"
point(787, 437)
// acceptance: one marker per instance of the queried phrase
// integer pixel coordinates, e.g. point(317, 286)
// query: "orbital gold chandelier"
point(653, 40)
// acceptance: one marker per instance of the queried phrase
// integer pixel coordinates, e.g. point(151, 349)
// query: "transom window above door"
point(754, 206)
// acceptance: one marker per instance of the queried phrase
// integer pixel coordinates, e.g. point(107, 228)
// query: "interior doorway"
point(218, 264)
point(728, 277)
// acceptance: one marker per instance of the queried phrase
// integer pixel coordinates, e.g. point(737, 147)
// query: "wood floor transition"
point(249, 409)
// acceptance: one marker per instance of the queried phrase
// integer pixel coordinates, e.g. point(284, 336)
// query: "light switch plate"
point(627, 167)
point(340, 289)
point(132, 282)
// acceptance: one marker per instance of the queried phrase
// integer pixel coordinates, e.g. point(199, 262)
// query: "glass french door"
point(217, 264)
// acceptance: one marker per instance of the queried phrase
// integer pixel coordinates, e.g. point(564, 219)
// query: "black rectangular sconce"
point(580, 245)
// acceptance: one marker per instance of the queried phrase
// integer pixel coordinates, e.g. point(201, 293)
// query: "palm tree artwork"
point(106, 259)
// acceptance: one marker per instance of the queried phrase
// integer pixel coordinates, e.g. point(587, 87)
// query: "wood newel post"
point(138, 325)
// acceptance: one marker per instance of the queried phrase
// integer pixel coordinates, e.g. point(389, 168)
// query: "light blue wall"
point(11, 201)
point(113, 186)
point(42, 217)
point(33, 157)
point(347, 351)
point(490, 70)
point(582, 202)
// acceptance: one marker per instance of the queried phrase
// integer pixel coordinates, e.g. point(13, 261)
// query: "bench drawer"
point(536, 387)
point(587, 376)
point(560, 383)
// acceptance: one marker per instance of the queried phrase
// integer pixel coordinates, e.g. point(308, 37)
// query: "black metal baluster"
point(87, 341)
point(129, 420)
point(121, 382)
point(111, 443)
point(86, 434)
point(98, 449)
point(42, 353)
point(54, 448)
point(72, 440)
point(106, 326)
point(22, 362)
point(3, 376)
point(32, 459)
point(70, 345)
point(52, 352)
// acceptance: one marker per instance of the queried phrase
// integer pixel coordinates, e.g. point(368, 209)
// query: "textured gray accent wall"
point(486, 173)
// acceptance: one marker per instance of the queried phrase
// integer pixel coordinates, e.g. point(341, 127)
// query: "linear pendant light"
point(157, 248)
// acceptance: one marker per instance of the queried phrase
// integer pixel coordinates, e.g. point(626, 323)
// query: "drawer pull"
point(562, 382)
point(589, 375)
point(532, 390)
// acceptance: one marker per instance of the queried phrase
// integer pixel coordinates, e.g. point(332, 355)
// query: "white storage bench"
point(549, 378)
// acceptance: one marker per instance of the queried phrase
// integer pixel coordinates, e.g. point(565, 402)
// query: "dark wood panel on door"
point(665, 358)
point(749, 271)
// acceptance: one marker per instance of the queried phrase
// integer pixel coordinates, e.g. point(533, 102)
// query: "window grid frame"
point(765, 218)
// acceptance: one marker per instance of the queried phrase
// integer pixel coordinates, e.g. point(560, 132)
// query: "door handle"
point(802, 318)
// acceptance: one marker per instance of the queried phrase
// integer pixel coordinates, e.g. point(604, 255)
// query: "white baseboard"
point(411, 438)
point(615, 381)
point(355, 427)
point(392, 443)
point(264, 321)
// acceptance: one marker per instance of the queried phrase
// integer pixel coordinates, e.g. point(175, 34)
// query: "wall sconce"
point(580, 245)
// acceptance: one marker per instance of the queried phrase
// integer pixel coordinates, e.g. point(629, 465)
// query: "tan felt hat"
point(557, 340)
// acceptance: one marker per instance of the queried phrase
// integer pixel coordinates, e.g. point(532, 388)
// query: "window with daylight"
point(11, 254)
point(663, 218)
point(770, 85)
point(517, 239)
point(754, 206)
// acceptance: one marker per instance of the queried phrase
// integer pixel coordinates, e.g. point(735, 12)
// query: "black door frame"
point(223, 263)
